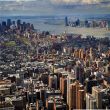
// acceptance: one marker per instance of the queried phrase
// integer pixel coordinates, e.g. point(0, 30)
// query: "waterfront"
point(56, 25)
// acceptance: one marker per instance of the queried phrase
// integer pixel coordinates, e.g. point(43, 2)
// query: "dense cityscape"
point(42, 71)
point(87, 23)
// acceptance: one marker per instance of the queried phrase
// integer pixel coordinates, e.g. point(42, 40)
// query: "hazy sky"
point(51, 7)
point(66, 1)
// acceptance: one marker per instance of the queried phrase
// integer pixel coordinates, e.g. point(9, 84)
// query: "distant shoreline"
point(40, 25)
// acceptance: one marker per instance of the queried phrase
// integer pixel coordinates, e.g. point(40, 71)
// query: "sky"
point(79, 1)
point(67, 1)
point(51, 7)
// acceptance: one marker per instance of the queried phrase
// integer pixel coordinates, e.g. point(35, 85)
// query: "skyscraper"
point(72, 104)
point(18, 24)
point(77, 22)
point(70, 80)
point(9, 23)
point(81, 101)
point(53, 81)
point(79, 72)
point(3, 26)
point(98, 94)
point(66, 21)
point(78, 88)
point(90, 101)
point(63, 81)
